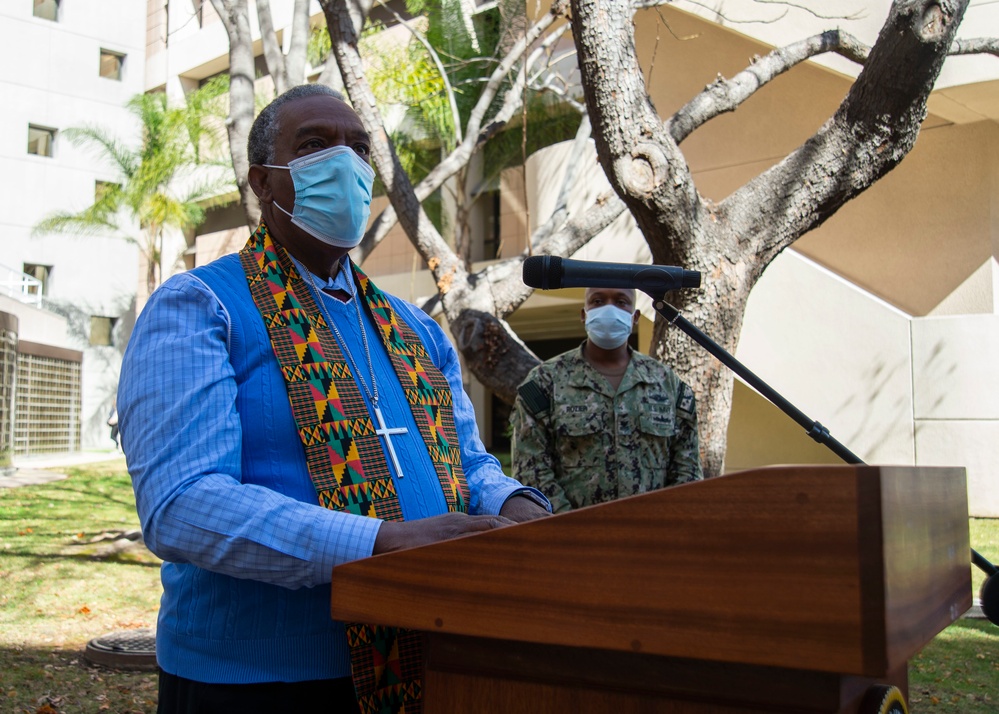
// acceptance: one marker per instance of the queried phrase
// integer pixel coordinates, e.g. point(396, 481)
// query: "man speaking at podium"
point(602, 421)
point(281, 416)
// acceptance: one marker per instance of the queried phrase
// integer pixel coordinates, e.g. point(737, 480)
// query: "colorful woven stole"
point(343, 453)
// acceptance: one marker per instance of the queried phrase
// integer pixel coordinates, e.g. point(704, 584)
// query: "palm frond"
point(85, 223)
point(173, 142)
point(116, 152)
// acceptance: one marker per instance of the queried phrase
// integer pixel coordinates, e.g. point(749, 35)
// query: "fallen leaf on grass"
point(84, 610)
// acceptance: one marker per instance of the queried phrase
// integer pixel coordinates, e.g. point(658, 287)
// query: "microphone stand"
point(989, 594)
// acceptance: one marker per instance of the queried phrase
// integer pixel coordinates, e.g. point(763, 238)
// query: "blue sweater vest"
point(220, 629)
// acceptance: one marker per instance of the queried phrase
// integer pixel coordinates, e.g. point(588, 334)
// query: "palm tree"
point(163, 180)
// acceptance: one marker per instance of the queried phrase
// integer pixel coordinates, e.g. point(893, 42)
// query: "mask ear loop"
point(286, 168)
point(290, 215)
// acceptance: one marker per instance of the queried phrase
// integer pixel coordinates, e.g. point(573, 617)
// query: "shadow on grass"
point(39, 558)
point(67, 497)
point(957, 672)
point(33, 677)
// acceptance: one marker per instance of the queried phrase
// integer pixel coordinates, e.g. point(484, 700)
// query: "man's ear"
point(259, 179)
point(634, 318)
point(582, 315)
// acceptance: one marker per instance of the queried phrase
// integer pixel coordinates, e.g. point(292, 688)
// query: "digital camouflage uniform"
point(580, 443)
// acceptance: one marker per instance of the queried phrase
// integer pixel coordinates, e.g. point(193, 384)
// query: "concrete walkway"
point(44, 468)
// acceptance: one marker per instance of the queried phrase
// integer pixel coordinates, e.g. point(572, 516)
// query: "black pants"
point(184, 696)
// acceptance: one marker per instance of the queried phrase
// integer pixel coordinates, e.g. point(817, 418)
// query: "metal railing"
point(20, 286)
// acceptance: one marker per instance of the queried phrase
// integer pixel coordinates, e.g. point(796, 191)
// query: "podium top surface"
point(848, 569)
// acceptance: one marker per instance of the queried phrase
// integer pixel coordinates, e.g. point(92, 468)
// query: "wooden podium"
point(785, 589)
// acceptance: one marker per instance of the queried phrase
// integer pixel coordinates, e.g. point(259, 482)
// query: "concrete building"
point(70, 63)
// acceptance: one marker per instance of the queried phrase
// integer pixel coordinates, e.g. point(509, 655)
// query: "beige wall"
point(893, 388)
point(838, 354)
point(956, 396)
point(395, 254)
point(924, 229)
point(36, 324)
point(912, 239)
point(513, 212)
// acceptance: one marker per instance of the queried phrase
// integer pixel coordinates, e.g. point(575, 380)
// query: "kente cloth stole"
point(343, 453)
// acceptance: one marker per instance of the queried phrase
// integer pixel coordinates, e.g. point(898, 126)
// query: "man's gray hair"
point(264, 132)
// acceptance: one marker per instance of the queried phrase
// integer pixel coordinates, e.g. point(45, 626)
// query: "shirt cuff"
point(345, 542)
point(532, 493)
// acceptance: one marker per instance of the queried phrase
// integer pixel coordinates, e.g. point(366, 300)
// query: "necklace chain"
point(373, 392)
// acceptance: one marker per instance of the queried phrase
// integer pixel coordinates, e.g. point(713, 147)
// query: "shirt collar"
point(344, 279)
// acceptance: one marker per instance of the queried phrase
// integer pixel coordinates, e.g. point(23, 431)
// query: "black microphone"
point(549, 272)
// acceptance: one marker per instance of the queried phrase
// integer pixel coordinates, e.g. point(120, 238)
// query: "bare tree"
point(287, 70)
point(235, 16)
point(735, 240)
point(873, 129)
point(475, 304)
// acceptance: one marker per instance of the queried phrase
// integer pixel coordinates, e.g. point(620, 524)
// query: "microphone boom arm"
point(814, 429)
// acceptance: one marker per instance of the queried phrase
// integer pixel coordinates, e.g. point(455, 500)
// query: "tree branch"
point(641, 160)
point(874, 128)
point(475, 135)
point(298, 45)
point(726, 95)
point(235, 18)
point(976, 46)
point(445, 266)
point(272, 51)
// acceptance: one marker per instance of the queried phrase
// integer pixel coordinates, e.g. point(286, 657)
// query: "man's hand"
point(520, 508)
point(396, 535)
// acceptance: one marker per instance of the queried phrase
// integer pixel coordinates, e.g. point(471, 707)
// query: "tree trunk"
point(286, 71)
point(273, 55)
point(733, 242)
point(242, 72)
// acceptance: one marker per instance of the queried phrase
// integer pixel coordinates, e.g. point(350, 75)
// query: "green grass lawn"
point(62, 584)
point(60, 587)
point(958, 672)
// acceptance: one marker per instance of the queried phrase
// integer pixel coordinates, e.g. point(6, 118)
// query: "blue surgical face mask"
point(608, 326)
point(332, 195)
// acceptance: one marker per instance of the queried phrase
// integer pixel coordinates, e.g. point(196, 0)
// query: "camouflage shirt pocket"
point(583, 439)
point(657, 425)
point(657, 430)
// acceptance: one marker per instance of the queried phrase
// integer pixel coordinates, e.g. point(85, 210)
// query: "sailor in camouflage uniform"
point(602, 421)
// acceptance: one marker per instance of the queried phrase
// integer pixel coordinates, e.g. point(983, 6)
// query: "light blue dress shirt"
point(182, 437)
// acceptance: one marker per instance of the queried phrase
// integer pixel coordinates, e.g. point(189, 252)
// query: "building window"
point(102, 188)
point(111, 64)
point(101, 330)
point(41, 273)
point(491, 241)
point(40, 140)
point(46, 9)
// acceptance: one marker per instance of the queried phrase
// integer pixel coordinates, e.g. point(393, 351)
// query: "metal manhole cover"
point(125, 649)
